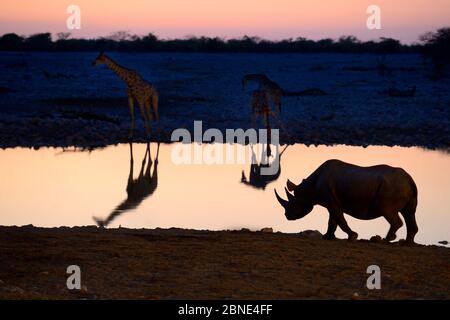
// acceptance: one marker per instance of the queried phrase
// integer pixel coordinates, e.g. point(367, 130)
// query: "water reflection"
point(137, 189)
point(71, 188)
point(256, 179)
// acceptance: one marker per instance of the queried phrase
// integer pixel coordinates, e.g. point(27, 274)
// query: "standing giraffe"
point(138, 90)
point(272, 90)
point(260, 107)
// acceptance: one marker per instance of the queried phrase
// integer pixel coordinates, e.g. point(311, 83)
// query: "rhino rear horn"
point(290, 185)
point(283, 202)
point(289, 195)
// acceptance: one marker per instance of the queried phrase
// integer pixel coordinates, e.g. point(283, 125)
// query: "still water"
point(50, 188)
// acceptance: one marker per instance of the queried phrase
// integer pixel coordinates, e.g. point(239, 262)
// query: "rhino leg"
point(332, 225)
point(395, 222)
point(338, 215)
point(411, 227)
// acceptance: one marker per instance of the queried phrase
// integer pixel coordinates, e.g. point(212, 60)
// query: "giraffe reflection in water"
point(257, 179)
point(137, 189)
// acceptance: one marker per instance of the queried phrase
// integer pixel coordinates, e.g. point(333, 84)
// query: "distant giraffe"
point(138, 90)
point(261, 107)
point(274, 92)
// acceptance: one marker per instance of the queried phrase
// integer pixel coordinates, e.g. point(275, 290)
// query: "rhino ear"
point(290, 185)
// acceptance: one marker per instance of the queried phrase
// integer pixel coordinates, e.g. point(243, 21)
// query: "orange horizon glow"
point(405, 20)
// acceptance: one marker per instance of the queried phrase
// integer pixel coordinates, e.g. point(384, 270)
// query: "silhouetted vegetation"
point(436, 45)
point(123, 41)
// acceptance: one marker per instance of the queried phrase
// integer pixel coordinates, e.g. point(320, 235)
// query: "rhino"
point(364, 193)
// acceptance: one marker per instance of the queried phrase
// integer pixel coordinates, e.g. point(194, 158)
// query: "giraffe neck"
point(117, 69)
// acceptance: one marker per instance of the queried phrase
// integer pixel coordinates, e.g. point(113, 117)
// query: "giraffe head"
point(101, 59)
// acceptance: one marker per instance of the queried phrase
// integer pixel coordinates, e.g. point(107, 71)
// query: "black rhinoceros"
point(363, 192)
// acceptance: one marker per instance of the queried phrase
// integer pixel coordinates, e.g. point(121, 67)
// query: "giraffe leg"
point(144, 118)
point(267, 124)
point(279, 104)
point(149, 114)
point(131, 106)
point(155, 101)
point(253, 105)
point(254, 120)
point(148, 110)
point(276, 100)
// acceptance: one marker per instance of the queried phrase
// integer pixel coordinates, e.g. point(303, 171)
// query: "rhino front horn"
point(280, 199)
point(290, 185)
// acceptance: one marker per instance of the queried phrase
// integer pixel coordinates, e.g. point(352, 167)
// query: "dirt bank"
point(174, 264)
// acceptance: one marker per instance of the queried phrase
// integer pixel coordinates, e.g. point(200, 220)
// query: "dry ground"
point(187, 264)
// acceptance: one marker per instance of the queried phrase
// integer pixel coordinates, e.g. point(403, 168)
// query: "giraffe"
point(137, 189)
point(272, 89)
point(260, 107)
point(138, 90)
point(274, 92)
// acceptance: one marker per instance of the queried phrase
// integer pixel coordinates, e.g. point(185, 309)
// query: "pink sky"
point(401, 19)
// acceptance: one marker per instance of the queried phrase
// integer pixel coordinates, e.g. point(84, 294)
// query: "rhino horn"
point(280, 199)
point(289, 195)
point(290, 185)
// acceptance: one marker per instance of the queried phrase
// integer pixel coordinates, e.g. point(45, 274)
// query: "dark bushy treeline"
point(122, 41)
point(433, 44)
point(436, 45)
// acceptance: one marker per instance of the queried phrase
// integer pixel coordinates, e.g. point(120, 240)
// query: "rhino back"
point(364, 192)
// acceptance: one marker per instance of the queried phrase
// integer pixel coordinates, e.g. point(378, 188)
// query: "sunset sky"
point(401, 19)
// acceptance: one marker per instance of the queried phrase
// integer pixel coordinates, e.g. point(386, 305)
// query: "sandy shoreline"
point(85, 137)
point(188, 264)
